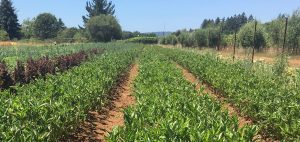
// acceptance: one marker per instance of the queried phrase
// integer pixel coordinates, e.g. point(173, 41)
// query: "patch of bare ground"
point(100, 123)
point(242, 120)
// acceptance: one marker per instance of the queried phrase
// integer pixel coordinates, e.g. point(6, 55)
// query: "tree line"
point(100, 24)
point(221, 32)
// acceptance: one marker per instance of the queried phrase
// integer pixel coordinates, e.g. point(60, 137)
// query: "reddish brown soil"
point(99, 124)
point(226, 106)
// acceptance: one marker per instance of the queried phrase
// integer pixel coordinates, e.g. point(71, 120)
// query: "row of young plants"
point(170, 109)
point(46, 110)
point(12, 54)
point(271, 100)
point(32, 69)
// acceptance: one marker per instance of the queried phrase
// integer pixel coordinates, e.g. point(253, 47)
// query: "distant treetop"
point(98, 7)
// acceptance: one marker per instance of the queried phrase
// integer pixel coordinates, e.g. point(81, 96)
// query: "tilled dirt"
point(99, 124)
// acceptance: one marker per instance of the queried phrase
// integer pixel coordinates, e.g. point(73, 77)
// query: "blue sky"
point(154, 15)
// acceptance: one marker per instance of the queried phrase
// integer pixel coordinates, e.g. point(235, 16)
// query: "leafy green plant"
point(45, 110)
point(270, 100)
point(170, 109)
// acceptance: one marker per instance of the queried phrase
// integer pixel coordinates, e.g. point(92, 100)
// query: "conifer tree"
point(9, 19)
point(98, 7)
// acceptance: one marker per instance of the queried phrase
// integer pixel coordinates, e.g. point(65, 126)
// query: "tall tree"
point(61, 25)
point(47, 26)
point(251, 18)
point(9, 19)
point(97, 7)
point(217, 21)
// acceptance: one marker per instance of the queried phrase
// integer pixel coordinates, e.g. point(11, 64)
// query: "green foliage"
point(47, 110)
point(143, 40)
point(3, 35)
point(169, 40)
point(27, 28)
point(275, 30)
point(201, 37)
point(187, 39)
point(213, 37)
point(67, 33)
point(47, 26)
point(228, 40)
point(268, 99)
point(97, 8)
point(9, 19)
point(23, 53)
point(103, 28)
point(246, 35)
point(281, 65)
point(234, 23)
point(294, 30)
point(170, 109)
point(80, 37)
point(128, 35)
point(71, 35)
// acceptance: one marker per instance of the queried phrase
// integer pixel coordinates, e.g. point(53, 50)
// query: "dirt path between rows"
point(226, 106)
point(99, 124)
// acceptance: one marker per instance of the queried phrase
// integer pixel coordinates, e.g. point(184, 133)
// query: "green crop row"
point(170, 109)
point(45, 110)
point(273, 102)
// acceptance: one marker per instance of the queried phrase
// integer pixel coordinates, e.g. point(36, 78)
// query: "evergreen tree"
point(217, 21)
point(9, 19)
point(207, 23)
point(97, 7)
point(61, 25)
point(251, 18)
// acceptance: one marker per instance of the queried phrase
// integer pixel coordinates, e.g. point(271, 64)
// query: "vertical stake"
point(219, 42)
point(234, 44)
point(254, 41)
point(285, 31)
point(208, 38)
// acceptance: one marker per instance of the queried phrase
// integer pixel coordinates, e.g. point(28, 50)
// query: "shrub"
point(201, 38)
point(246, 34)
point(46, 26)
point(187, 39)
point(170, 39)
point(3, 35)
point(103, 28)
point(144, 40)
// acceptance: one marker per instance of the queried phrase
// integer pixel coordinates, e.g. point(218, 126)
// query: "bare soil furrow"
point(100, 123)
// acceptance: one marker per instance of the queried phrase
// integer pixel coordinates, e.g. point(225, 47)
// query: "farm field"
point(149, 71)
point(47, 108)
point(11, 54)
point(246, 103)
